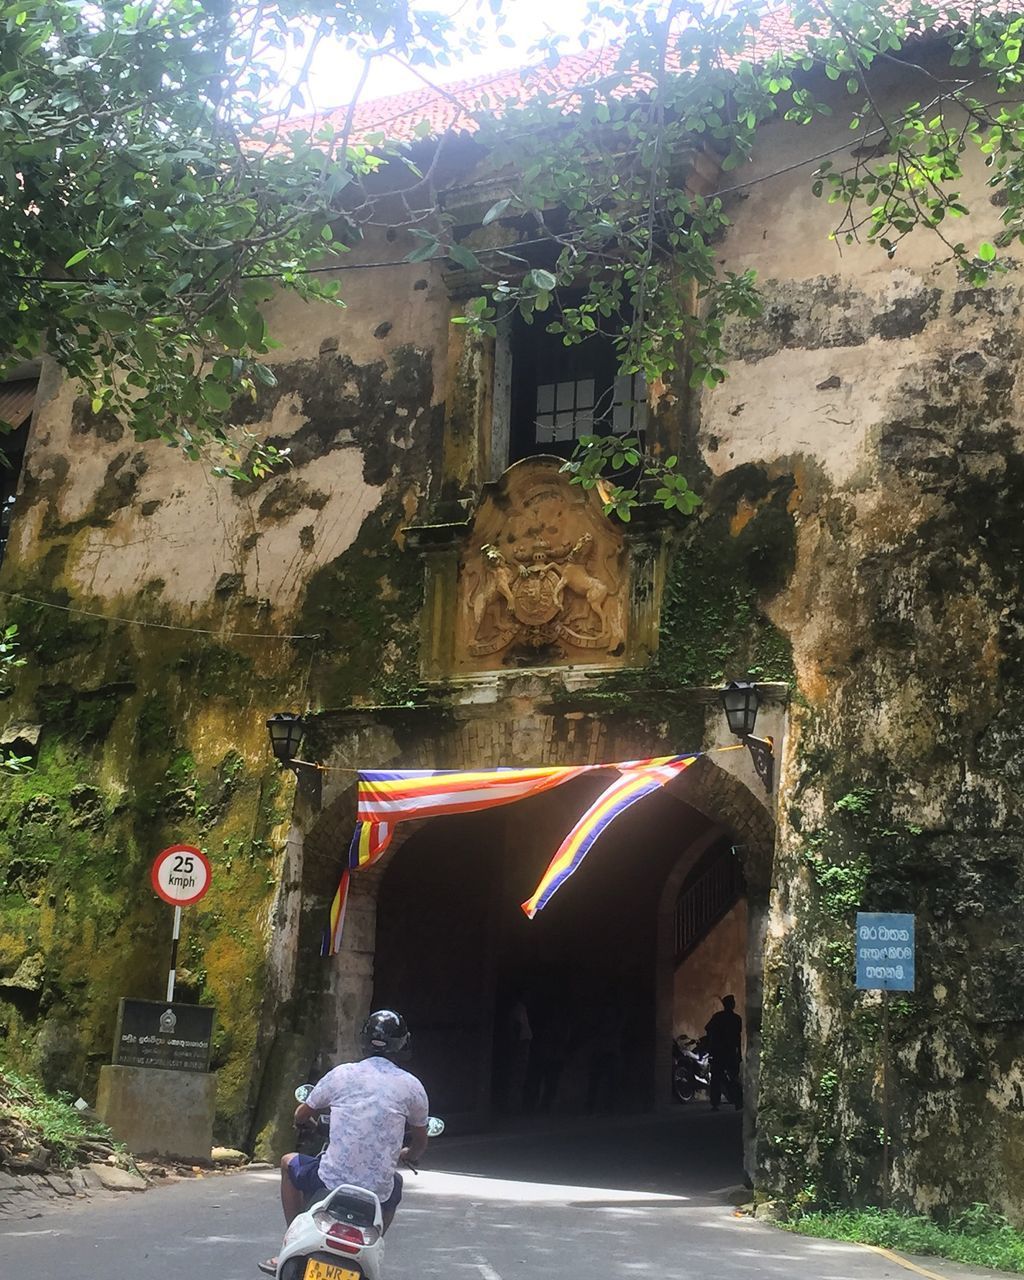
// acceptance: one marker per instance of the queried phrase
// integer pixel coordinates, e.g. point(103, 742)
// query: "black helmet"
point(385, 1034)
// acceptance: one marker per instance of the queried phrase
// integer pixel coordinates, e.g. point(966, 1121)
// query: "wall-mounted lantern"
point(286, 729)
point(740, 701)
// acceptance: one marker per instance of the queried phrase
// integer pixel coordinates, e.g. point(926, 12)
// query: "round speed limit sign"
point(181, 875)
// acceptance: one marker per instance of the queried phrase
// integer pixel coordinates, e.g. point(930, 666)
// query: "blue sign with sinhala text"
point(885, 951)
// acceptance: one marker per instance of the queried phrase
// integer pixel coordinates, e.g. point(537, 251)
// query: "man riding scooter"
point(373, 1104)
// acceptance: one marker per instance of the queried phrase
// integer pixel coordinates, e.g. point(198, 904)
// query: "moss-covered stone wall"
point(157, 609)
point(860, 539)
point(881, 399)
point(141, 747)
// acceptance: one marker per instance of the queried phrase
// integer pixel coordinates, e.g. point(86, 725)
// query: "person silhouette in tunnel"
point(724, 1031)
point(517, 1041)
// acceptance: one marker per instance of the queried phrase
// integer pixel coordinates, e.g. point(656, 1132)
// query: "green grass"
point(53, 1121)
point(978, 1236)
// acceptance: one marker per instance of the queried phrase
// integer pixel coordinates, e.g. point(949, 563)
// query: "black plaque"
point(174, 1037)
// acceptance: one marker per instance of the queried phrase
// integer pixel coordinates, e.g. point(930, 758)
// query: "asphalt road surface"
point(595, 1202)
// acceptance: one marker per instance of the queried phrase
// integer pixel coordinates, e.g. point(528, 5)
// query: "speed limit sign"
point(181, 875)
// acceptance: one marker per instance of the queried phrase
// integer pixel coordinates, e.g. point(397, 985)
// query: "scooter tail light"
point(343, 1236)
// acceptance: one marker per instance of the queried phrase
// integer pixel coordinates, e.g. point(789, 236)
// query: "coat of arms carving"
point(542, 581)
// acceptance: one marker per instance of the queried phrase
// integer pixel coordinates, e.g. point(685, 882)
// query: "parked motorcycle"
point(691, 1067)
point(340, 1236)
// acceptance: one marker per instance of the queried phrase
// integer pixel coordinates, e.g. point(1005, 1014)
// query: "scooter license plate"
point(316, 1270)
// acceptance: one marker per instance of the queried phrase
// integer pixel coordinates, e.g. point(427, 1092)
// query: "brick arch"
point(723, 798)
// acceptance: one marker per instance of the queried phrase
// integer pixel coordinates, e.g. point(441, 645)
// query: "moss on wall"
point(904, 789)
point(724, 566)
point(171, 750)
point(737, 554)
point(366, 605)
point(156, 736)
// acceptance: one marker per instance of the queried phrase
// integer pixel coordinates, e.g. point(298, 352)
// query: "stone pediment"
point(542, 579)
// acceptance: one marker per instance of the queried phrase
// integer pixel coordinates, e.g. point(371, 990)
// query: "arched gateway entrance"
point(435, 927)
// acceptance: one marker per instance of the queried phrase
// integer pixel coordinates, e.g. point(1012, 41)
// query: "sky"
point(336, 71)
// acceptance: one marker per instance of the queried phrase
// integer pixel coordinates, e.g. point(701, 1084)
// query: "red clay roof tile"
point(450, 107)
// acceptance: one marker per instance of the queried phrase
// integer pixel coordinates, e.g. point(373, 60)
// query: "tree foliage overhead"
point(635, 229)
point(154, 193)
point(152, 198)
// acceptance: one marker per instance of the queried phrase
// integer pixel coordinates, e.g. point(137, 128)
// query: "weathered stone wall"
point(884, 396)
point(156, 734)
point(862, 470)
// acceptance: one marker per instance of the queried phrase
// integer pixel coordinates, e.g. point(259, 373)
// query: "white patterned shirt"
point(371, 1103)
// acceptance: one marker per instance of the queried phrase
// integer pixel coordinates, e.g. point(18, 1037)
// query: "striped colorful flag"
point(387, 797)
point(626, 790)
point(331, 944)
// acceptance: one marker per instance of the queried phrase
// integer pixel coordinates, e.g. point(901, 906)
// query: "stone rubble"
point(33, 1195)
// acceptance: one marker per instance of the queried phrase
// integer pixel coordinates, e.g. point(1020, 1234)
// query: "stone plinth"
point(159, 1113)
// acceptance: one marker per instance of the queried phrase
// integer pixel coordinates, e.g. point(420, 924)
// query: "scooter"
point(691, 1067)
point(340, 1236)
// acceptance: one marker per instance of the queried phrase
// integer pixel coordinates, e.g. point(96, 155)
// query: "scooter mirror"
point(303, 1092)
point(435, 1126)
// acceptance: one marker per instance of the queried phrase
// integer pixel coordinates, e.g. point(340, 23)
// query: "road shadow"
point(692, 1152)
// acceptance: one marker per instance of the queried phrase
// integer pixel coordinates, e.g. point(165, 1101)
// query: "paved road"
point(494, 1220)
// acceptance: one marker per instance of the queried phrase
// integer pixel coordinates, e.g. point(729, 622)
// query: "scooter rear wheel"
point(683, 1087)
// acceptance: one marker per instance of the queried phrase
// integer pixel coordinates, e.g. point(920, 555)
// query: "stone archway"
point(732, 813)
point(728, 802)
point(523, 728)
point(706, 787)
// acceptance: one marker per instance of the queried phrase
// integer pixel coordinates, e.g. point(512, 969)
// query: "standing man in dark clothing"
point(723, 1033)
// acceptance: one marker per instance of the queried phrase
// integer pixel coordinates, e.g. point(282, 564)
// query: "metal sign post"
point(175, 935)
point(886, 1119)
point(886, 961)
point(181, 875)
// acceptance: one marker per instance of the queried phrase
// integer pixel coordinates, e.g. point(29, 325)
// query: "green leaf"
point(78, 257)
point(495, 211)
point(114, 320)
point(464, 257)
point(423, 252)
point(986, 251)
point(216, 394)
point(230, 331)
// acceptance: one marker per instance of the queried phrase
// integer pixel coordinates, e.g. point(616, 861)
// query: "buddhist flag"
point(626, 790)
point(388, 797)
point(332, 939)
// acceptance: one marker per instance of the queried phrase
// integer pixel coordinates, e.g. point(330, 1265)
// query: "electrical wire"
point(160, 626)
point(847, 142)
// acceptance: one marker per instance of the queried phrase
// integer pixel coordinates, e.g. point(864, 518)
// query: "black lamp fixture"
point(286, 729)
point(740, 701)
